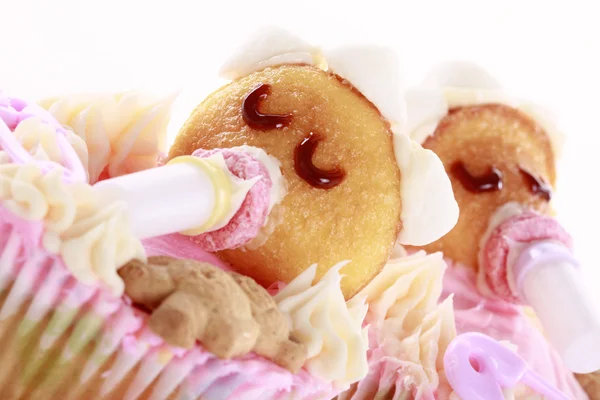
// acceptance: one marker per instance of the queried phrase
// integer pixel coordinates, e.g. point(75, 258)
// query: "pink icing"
point(180, 246)
point(473, 312)
point(12, 112)
point(390, 375)
point(74, 294)
point(124, 331)
point(161, 159)
point(505, 321)
point(137, 345)
point(525, 228)
point(276, 287)
point(29, 231)
point(252, 215)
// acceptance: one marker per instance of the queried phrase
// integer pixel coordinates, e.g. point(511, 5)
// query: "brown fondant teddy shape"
point(230, 314)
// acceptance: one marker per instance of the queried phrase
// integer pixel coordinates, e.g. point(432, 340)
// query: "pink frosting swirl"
point(525, 228)
point(12, 112)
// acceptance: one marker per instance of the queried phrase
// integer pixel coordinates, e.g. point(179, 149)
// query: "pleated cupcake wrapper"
point(60, 313)
point(64, 340)
point(388, 379)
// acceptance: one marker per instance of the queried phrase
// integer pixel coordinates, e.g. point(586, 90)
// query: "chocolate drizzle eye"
point(489, 182)
point(314, 176)
point(257, 120)
point(536, 185)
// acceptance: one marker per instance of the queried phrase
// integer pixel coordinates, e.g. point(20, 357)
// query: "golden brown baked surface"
point(482, 137)
point(356, 220)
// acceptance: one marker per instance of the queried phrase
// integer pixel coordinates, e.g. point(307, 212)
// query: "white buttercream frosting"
point(456, 84)
point(273, 166)
point(375, 72)
point(40, 140)
point(429, 209)
point(268, 47)
point(460, 74)
point(409, 325)
point(277, 193)
point(92, 239)
point(124, 132)
point(331, 328)
point(239, 190)
point(408, 287)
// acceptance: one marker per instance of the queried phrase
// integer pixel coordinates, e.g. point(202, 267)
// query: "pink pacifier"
point(479, 367)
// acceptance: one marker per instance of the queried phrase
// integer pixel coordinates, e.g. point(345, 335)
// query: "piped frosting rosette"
point(332, 330)
point(428, 207)
point(65, 330)
point(408, 331)
point(53, 141)
point(124, 132)
point(43, 181)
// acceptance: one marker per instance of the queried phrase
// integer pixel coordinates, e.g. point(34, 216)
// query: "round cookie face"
point(484, 148)
point(355, 215)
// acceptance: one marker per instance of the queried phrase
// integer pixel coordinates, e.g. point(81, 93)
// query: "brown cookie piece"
point(229, 314)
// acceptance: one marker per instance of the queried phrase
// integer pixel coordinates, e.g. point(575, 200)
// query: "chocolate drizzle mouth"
point(314, 176)
point(489, 182)
point(257, 120)
point(537, 186)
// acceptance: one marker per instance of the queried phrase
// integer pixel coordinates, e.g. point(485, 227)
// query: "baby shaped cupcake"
point(299, 163)
point(506, 251)
point(331, 119)
point(84, 313)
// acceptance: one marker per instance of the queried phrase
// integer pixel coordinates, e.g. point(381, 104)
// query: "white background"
point(545, 50)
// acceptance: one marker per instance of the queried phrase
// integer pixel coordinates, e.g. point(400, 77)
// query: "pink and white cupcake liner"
point(81, 342)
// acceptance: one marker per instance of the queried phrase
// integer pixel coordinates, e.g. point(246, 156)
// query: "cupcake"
point(409, 331)
point(260, 317)
point(429, 300)
point(500, 153)
point(59, 250)
point(78, 321)
point(355, 185)
point(124, 132)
